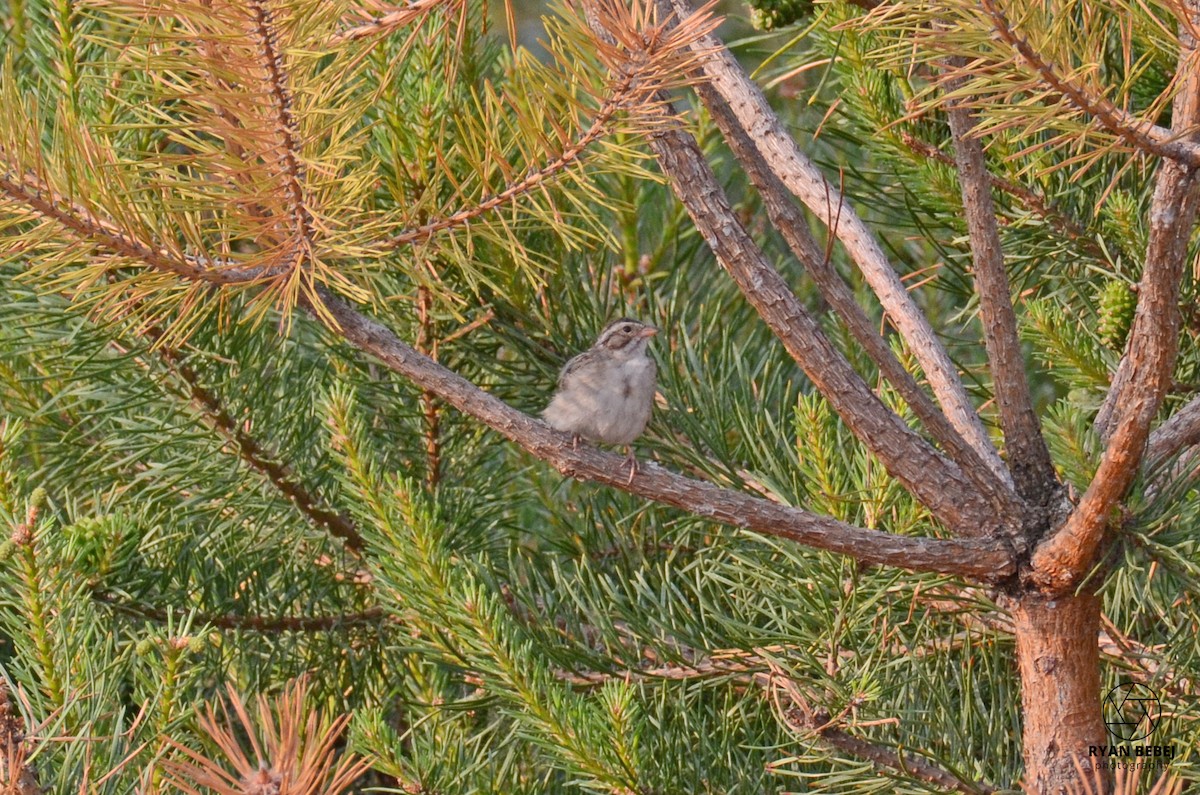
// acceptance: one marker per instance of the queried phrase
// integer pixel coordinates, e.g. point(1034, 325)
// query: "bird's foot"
point(633, 465)
point(575, 439)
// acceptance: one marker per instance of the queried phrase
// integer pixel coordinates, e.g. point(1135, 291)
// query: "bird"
point(606, 393)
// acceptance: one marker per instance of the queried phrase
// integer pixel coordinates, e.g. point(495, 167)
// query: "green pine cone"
point(1117, 304)
point(773, 14)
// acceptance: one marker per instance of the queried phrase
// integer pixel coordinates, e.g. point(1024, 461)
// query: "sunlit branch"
point(792, 226)
point(90, 228)
point(383, 24)
point(825, 200)
point(288, 132)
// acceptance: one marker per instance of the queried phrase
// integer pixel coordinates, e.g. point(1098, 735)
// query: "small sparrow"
point(605, 394)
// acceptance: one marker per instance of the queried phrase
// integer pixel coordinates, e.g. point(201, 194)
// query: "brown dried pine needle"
point(292, 749)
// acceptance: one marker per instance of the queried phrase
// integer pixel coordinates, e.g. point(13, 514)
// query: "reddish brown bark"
point(1059, 664)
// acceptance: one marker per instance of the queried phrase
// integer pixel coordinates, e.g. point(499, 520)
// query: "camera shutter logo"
point(1131, 711)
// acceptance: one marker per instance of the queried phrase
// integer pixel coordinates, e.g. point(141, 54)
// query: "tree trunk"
point(1059, 663)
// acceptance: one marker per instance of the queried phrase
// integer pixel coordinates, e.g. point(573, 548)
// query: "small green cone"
point(773, 14)
point(1117, 305)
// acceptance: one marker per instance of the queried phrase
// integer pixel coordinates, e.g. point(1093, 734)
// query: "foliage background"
point(501, 629)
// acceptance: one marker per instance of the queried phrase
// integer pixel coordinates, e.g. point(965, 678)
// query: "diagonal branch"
point(805, 181)
point(787, 218)
point(1173, 144)
point(533, 179)
point(987, 560)
point(1145, 371)
point(385, 23)
point(1031, 200)
point(258, 458)
point(1028, 455)
point(933, 479)
point(643, 57)
point(801, 717)
point(372, 616)
point(813, 724)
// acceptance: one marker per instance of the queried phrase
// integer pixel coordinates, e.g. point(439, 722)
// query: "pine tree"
point(286, 282)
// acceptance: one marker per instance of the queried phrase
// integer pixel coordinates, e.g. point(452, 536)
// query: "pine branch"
point(303, 235)
point(94, 229)
point(256, 455)
point(984, 559)
point(1180, 431)
point(933, 479)
point(1028, 455)
point(1033, 201)
point(1174, 144)
point(373, 616)
point(806, 720)
point(826, 201)
point(391, 21)
point(786, 218)
point(430, 409)
point(532, 180)
point(249, 449)
point(1144, 374)
point(810, 723)
point(644, 56)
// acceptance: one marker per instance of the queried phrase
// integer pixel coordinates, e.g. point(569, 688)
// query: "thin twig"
point(1175, 144)
point(807, 721)
point(430, 409)
point(250, 450)
point(288, 155)
point(815, 724)
point(265, 624)
point(386, 23)
point(624, 92)
point(90, 228)
point(1180, 431)
point(1032, 201)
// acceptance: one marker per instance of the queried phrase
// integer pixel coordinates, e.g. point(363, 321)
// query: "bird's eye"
point(628, 329)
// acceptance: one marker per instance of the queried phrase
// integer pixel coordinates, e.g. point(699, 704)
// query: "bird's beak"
point(648, 331)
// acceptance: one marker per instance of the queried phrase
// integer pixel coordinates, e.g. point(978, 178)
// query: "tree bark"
point(1028, 456)
point(1059, 663)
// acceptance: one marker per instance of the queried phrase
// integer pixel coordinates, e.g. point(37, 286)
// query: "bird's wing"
point(572, 366)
